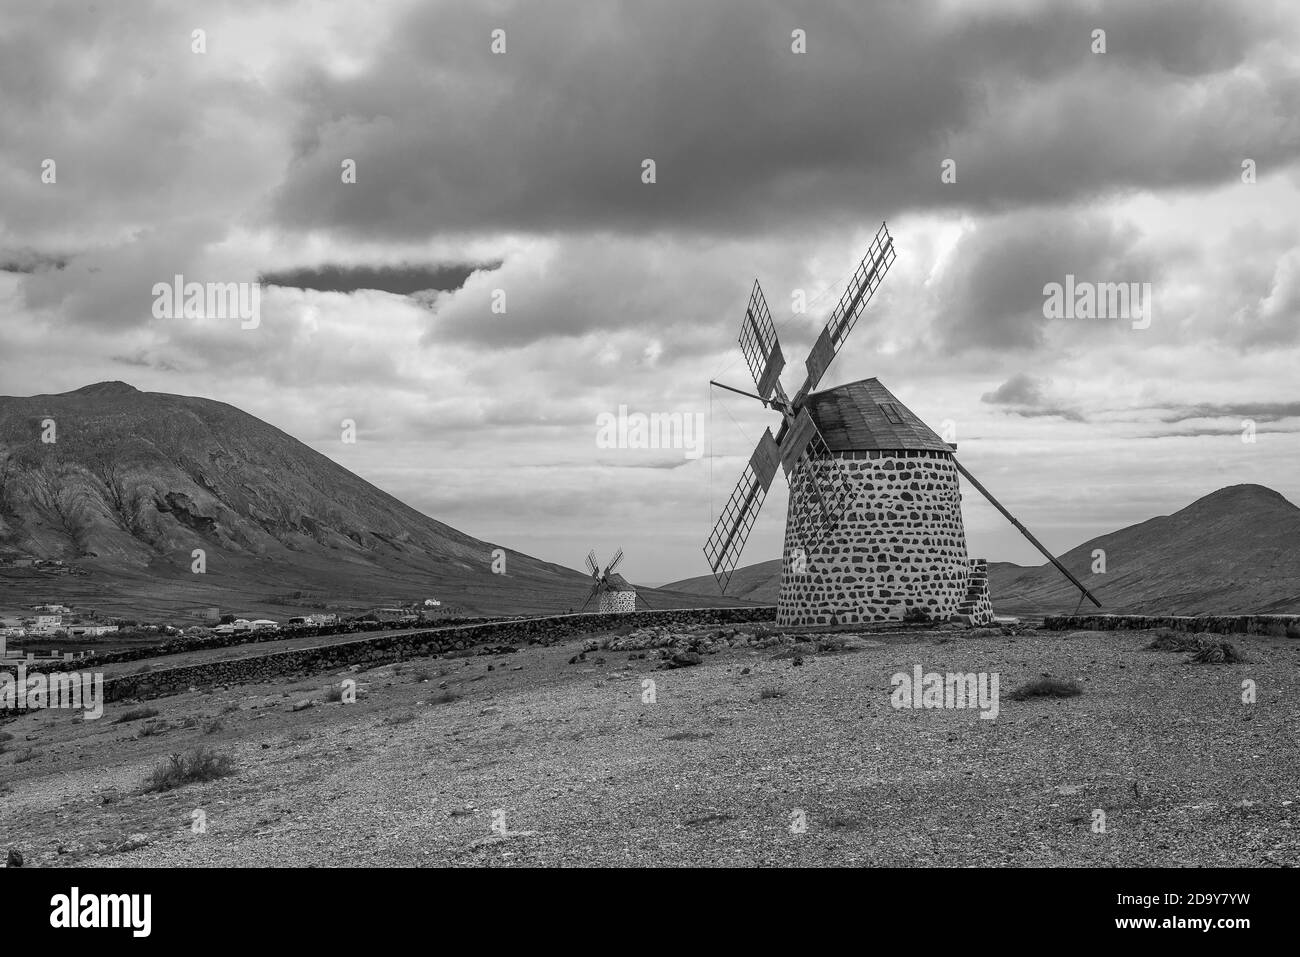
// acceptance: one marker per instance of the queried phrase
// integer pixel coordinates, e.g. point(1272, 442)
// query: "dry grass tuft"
point(135, 714)
point(197, 764)
point(1046, 688)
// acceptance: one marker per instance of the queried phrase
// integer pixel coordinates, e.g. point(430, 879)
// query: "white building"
point(47, 624)
point(91, 631)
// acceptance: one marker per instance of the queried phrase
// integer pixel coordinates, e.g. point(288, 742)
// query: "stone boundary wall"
point(385, 648)
point(1279, 626)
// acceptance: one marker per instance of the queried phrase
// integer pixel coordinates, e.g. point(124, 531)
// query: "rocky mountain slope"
point(133, 483)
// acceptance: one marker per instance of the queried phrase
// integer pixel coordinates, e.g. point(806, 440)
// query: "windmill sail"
point(730, 532)
point(827, 481)
point(590, 595)
point(759, 344)
point(866, 279)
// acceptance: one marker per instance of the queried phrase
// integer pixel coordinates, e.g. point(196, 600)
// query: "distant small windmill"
point(874, 528)
point(617, 596)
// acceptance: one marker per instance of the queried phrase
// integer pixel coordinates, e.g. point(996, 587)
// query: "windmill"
point(873, 527)
point(617, 596)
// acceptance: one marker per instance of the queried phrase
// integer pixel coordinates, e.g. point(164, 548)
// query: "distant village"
point(62, 622)
point(50, 566)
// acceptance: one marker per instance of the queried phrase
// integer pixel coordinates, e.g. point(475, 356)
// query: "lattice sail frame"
point(814, 474)
point(819, 483)
point(866, 280)
point(733, 526)
point(761, 348)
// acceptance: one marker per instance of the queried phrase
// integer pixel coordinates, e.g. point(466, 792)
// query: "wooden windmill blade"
point(806, 457)
point(759, 343)
point(590, 595)
point(866, 279)
point(1024, 531)
point(737, 518)
point(592, 564)
point(614, 562)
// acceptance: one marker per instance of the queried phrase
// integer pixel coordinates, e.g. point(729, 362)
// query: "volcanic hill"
point(135, 482)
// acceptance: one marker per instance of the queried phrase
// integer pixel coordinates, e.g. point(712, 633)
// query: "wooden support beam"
point(1024, 531)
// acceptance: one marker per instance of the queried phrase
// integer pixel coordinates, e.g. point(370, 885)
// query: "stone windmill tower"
point(614, 594)
point(874, 527)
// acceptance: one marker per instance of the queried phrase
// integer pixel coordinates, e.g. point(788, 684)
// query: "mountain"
point(759, 582)
point(134, 482)
point(1236, 550)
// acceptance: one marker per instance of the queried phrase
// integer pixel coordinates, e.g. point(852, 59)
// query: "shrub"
point(26, 754)
point(445, 697)
point(151, 728)
point(197, 764)
point(212, 726)
point(916, 615)
point(1170, 640)
point(830, 644)
point(135, 714)
point(771, 693)
point(1046, 688)
point(1218, 653)
point(334, 693)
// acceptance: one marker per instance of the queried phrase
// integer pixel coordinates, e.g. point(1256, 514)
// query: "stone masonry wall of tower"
point(900, 544)
point(620, 602)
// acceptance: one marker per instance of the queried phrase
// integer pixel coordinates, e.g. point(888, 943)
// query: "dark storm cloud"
point(992, 298)
point(400, 280)
point(29, 261)
point(1233, 433)
point(745, 133)
point(1263, 411)
point(140, 128)
point(1029, 397)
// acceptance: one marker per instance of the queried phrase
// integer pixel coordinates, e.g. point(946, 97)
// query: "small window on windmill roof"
point(891, 413)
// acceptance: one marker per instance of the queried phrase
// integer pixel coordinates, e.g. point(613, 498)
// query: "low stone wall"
point(1279, 626)
point(385, 648)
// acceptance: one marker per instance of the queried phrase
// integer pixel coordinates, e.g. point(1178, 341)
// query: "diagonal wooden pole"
point(1024, 531)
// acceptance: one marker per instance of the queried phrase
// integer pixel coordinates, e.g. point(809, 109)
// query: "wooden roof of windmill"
point(616, 582)
point(865, 416)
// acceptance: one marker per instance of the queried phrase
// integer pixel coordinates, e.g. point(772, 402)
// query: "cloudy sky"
point(1172, 158)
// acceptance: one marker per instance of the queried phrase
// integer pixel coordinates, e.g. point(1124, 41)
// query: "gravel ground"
point(748, 758)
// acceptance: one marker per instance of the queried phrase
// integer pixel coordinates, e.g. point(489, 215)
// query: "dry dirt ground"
point(745, 759)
